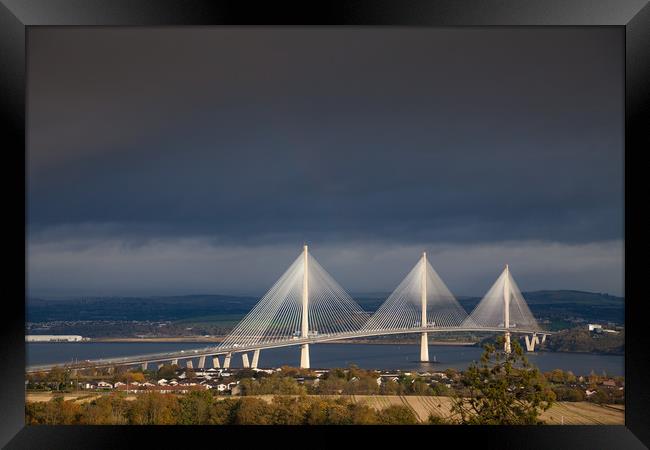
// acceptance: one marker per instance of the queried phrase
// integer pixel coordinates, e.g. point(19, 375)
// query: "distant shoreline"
point(215, 339)
point(219, 339)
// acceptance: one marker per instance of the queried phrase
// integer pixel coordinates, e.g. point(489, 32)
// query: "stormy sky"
point(169, 161)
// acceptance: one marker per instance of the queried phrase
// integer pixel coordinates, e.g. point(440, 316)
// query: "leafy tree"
point(338, 414)
point(316, 413)
point(153, 408)
point(504, 389)
point(440, 390)
point(222, 411)
point(568, 394)
point(389, 387)
point(362, 414)
point(252, 411)
point(194, 408)
point(420, 387)
point(167, 371)
point(130, 377)
point(59, 377)
point(106, 410)
point(397, 415)
point(288, 410)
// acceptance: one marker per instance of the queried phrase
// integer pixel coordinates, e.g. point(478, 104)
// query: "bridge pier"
point(201, 362)
point(424, 338)
point(174, 362)
point(506, 310)
point(256, 358)
point(304, 318)
point(244, 360)
point(226, 361)
point(215, 362)
point(144, 366)
point(189, 364)
point(543, 338)
point(304, 356)
point(424, 347)
point(530, 343)
point(160, 366)
point(506, 345)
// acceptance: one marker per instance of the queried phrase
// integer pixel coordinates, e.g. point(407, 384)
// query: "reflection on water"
point(366, 356)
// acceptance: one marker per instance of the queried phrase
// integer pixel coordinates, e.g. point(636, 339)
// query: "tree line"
point(202, 408)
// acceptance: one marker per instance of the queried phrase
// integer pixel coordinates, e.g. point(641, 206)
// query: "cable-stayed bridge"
point(307, 306)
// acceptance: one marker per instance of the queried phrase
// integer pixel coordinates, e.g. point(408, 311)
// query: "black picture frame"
point(16, 16)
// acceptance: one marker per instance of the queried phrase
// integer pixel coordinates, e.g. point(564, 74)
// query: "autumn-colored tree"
point(504, 389)
point(222, 411)
point(130, 377)
point(153, 408)
point(167, 371)
point(289, 410)
point(58, 376)
point(361, 414)
point(252, 411)
point(194, 408)
point(397, 415)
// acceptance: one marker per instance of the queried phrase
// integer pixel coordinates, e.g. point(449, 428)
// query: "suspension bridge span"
point(307, 306)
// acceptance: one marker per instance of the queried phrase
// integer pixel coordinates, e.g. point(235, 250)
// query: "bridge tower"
point(506, 309)
point(304, 349)
point(424, 339)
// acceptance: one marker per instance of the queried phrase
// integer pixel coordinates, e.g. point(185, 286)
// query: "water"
point(366, 356)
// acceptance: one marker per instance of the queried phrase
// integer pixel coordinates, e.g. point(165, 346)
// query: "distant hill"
point(566, 304)
point(558, 304)
point(137, 308)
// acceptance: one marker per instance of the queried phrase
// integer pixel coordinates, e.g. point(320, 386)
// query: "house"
point(162, 382)
point(589, 392)
point(609, 383)
point(222, 387)
point(104, 385)
point(118, 384)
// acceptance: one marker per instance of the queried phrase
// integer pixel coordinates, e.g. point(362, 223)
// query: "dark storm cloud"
point(266, 136)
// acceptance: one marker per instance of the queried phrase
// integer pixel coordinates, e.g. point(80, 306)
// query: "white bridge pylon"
point(503, 306)
point(305, 302)
point(421, 300)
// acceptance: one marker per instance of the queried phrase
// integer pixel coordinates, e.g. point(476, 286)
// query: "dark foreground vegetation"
point(499, 389)
point(201, 408)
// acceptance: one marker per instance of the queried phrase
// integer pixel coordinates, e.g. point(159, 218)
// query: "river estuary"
point(330, 355)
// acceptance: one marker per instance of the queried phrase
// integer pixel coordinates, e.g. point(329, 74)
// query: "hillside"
point(555, 305)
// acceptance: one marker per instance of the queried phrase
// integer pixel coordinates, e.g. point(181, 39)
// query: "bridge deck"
point(214, 351)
